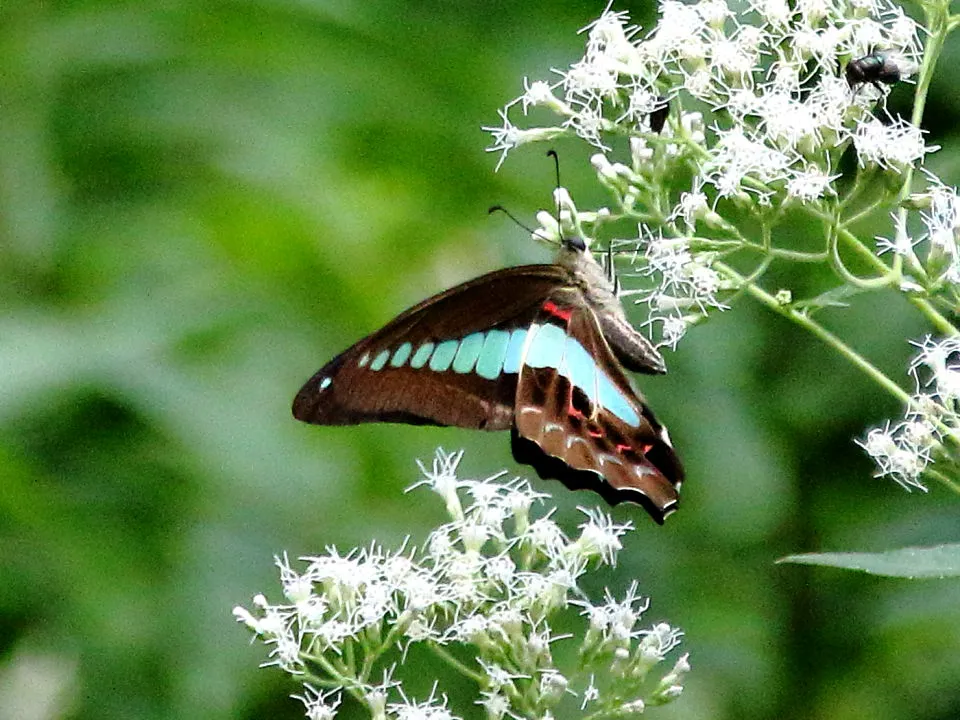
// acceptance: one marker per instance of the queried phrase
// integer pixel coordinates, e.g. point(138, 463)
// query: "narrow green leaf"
point(941, 561)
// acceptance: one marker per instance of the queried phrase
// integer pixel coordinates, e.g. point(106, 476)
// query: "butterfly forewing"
point(442, 362)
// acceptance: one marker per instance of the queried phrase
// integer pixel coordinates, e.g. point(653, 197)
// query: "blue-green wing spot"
point(468, 353)
point(492, 354)
point(579, 368)
point(514, 354)
point(325, 383)
point(546, 348)
point(551, 347)
point(400, 355)
point(421, 356)
point(443, 355)
point(613, 400)
point(362, 362)
point(380, 360)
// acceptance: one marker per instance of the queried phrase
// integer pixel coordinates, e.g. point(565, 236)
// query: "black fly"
point(875, 68)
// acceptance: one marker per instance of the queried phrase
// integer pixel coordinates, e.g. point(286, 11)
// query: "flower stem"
point(942, 479)
point(447, 657)
point(819, 331)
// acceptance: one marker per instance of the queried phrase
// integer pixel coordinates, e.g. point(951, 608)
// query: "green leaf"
point(941, 561)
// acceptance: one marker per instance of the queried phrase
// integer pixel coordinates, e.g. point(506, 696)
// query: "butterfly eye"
point(575, 243)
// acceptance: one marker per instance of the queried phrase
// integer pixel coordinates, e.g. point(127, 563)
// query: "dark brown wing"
point(579, 420)
point(377, 380)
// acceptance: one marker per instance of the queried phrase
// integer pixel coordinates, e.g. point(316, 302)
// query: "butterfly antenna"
point(556, 165)
point(501, 208)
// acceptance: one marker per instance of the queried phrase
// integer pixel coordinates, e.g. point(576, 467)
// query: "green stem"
point(442, 653)
point(936, 319)
point(819, 331)
point(939, 321)
point(798, 255)
point(339, 679)
point(942, 479)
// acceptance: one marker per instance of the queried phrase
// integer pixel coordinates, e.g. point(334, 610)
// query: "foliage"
point(201, 202)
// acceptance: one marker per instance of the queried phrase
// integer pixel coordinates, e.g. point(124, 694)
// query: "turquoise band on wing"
point(494, 352)
point(400, 355)
point(443, 356)
point(380, 360)
point(421, 356)
point(468, 353)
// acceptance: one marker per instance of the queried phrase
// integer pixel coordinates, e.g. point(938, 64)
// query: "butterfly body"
point(538, 350)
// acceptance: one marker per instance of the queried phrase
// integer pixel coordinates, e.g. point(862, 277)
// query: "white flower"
point(895, 456)
point(942, 360)
point(319, 705)
point(495, 704)
point(430, 709)
point(658, 641)
point(810, 184)
point(600, 536)
point(891, 146)
point(508, 136)
point(545, 536)
point(442, 478)
point(679, 29)
point(553, 685)
point(776, 13)
point(591, 694)
point(692, 206)
point(674, 328)
point(539, 92)
point(901, 244)
point(494, 592)
point(297, 588)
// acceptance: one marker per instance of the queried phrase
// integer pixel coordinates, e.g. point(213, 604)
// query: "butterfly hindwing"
point(445, 361)
point(579, 420)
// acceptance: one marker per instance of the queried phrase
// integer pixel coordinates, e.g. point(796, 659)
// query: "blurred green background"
point(202, 202)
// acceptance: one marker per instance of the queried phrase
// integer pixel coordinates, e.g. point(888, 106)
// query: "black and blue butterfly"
point(538, 350)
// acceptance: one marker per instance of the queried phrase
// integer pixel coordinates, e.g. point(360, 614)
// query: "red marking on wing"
point(573, 412)
point(644, 449)
point(563, 313)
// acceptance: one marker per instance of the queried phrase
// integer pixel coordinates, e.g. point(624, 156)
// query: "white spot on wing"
point(325, 383)
point(607, 459)
point(665, 436)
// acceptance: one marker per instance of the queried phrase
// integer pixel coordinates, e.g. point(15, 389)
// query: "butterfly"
point(539, 350)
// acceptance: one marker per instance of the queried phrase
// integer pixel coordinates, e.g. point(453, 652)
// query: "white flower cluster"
point(904, 450)
point(719, 134)
point(935, 227)
point(782, 111)
point(492, 579)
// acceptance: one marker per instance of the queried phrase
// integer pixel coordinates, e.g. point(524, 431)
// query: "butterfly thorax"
point(631, 347)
